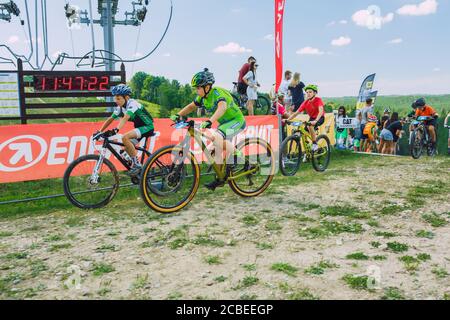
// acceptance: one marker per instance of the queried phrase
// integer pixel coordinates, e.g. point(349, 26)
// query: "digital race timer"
point(44, 83)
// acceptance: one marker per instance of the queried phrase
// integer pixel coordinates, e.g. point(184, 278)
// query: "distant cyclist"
point(314, 107)
point(220, 104)
point(424, 110)
point(130, 110)
point(446, 125)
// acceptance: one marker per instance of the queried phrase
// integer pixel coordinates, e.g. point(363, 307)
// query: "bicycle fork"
point(96, 172)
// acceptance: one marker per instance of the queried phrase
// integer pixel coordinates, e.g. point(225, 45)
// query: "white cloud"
point(422, 9)
point(371, 18)
point(13, 39)
point(237, 10)
point(167, 54)
point(231, 47)
point(396, 41)
point(341, 41)
point(310, 51)
point(332, 23)
point(269, 37)
point(137, 55)
point(437, 69)
point(343, 22)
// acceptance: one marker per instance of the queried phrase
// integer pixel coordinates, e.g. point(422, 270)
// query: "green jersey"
point(138, 114)
point(215, 96)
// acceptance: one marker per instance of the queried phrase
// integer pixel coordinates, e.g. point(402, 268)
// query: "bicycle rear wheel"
point(290, 156)
point(321, 157)
point(170, 179)
point(253, 174)
point(86, 191)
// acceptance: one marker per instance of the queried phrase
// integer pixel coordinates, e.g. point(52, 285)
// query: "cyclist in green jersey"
point(130, 110)
point(220, 104)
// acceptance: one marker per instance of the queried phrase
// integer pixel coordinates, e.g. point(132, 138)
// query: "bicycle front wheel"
point(252, 174)
point(87, 189)
point(416, 144)
point(321, 157)
point(170, 179)
point(290, 156)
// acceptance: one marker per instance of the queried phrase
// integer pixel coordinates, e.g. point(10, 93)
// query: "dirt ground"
point(360, 231)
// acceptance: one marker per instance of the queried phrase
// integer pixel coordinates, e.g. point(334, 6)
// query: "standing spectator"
point(363, 119)
point(252, 87)
point(296, 91)
point(242, 87)
point(341, 133)
point(396, 128)
point(448, 127)
point(284, 88)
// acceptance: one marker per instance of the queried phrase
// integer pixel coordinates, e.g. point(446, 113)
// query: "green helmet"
point(312, 87)
point(203, 78)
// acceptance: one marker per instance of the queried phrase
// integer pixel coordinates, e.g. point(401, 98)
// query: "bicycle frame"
point(304, 136)
point(220, 171)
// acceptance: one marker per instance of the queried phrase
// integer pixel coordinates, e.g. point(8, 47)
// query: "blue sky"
point(332, 43)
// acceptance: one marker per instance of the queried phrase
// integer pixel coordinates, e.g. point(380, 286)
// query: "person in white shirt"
point(252, 89)
point(284, 88)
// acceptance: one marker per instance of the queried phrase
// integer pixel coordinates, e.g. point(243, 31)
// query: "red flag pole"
point(279, 12)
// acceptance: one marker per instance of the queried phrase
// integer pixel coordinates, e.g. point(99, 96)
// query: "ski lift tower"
point(108, 10)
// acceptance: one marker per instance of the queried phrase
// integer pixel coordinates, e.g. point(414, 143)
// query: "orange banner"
point(43, 151)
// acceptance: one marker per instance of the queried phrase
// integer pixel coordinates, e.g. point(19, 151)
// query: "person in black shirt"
point(296, 89)
point(396, 128)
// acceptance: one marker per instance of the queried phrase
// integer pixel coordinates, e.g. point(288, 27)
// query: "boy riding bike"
point(130, 110)
point(424, 110)
point(220, 103)
point(314, 107)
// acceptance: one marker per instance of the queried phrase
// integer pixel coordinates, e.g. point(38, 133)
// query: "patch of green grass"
point(344, 211)
point(247, 296)
point(37, 267)
point(4, 234)
point(207, 240)
point(319, 268)
point(435, 220)
point(220, 279)
point(213, 260)
point(391, 209)
point(249, 267)
point(373, 223)
point(273, 226)
point(140, 282)
point(285, 268)
point(330, 228)
point(53, 238)
point(248, 281)
point(357, 256)
point(423, 257)
point(17, 255)
point(375, 244)
point(386, 234)
point(102, 268)
point(393, 293)
point(357, 282)
point(295, 293)
point(250, 220)
point(411, 263)
point(397, 247)
point(440, 273)
point(264, 246)
point(425, 234)
point(178, 243)
point(174, 296)
point(75, 221)
point(107, 248)
point(131, 238)
point(379, 258)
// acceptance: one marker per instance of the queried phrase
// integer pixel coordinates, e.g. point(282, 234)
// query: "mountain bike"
point(262, 105)
point(92, 181)
point(420, 138)
point(178, 170)
point(298, 147)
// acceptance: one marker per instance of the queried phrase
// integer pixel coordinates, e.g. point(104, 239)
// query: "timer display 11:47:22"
point(69, 83)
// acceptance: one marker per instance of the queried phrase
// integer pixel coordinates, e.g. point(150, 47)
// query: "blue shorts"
point(386, 135)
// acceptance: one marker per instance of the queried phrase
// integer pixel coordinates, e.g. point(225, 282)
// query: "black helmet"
point(420, 103)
